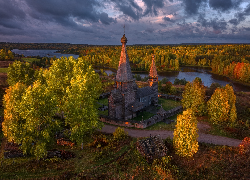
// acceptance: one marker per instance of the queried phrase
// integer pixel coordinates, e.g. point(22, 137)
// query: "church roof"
point(124, 73)
point(153, 71)
point(145, 91)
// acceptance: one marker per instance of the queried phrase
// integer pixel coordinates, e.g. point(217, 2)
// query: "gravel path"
point(207, 138)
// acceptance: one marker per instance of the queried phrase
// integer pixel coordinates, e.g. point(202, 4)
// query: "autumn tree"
point(13, 122)
point(37, 108)
point(70, 86)
point(186, 134)
point(221, 106)
point(194, 97)
point(20, 72)
point(80, 101)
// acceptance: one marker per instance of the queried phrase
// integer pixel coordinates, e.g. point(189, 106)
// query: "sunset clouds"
point(147, 21)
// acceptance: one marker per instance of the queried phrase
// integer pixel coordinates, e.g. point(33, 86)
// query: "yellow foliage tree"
point(186, 134)
point(221, 106)
point(194, 97)
point(12, 123)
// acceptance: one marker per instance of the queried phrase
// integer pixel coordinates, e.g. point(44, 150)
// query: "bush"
point(244, 146)
point(152, 148)
point(180, 81)
point(120, 134)
point(164, 80)
point(169, 88)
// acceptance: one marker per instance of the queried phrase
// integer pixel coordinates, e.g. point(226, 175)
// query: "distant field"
point(30, 60)
point(3, 70)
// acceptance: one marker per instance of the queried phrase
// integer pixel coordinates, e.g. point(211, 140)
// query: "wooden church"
point(126, 100)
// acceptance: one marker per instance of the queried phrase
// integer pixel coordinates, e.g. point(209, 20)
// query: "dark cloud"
point(11, 14)
point(149, 30)
point(163, 25)
point(153, 6)
point(234, 21)
point(67, 12)
point(192, 6)
point(105, 19)
point(222, 5)
point(129, 8)
point(247, 29)
point(241, 16)
point(133, 10)
point(167, 19)
point(216, 24)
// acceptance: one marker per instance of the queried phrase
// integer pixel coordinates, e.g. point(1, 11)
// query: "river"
point(189, 73)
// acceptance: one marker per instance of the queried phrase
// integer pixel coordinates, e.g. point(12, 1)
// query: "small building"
point(126, 100)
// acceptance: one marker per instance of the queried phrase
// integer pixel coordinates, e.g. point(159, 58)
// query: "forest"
point(232, 61)
point(66, 145)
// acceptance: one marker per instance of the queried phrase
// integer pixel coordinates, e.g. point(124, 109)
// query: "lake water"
point(189, 73)
point(42, 53)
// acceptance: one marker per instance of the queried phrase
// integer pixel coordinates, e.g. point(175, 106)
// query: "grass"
point(106, 112)
point(103, 101)
point(168, 104)
point(121, 160)
point(3, 70)
point(145, 114)
point(30, 60)
point(163, 125)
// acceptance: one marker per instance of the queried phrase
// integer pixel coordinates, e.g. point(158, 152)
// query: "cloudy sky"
point(100, 22)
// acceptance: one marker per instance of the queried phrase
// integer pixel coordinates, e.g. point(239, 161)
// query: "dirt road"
point(207, 138)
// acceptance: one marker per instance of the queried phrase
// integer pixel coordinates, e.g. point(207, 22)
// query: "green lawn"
point(146, 115)
point(3, 70)
point(30, 60)
point(163, 125)
point(168, 104)
point(103, 101)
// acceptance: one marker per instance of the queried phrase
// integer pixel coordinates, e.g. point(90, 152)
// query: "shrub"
point(185, 134)
point(120, 134)
point(164, 80)
point(244, 146)
point(180, 81)
point(152, 148)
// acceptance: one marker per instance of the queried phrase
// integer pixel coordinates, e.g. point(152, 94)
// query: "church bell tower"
point(153, 81)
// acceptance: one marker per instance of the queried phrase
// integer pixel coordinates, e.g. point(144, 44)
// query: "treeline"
point(6, 55)
point(239, 71)
point(53, 46)
point(140, 57)
point(227, 60)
